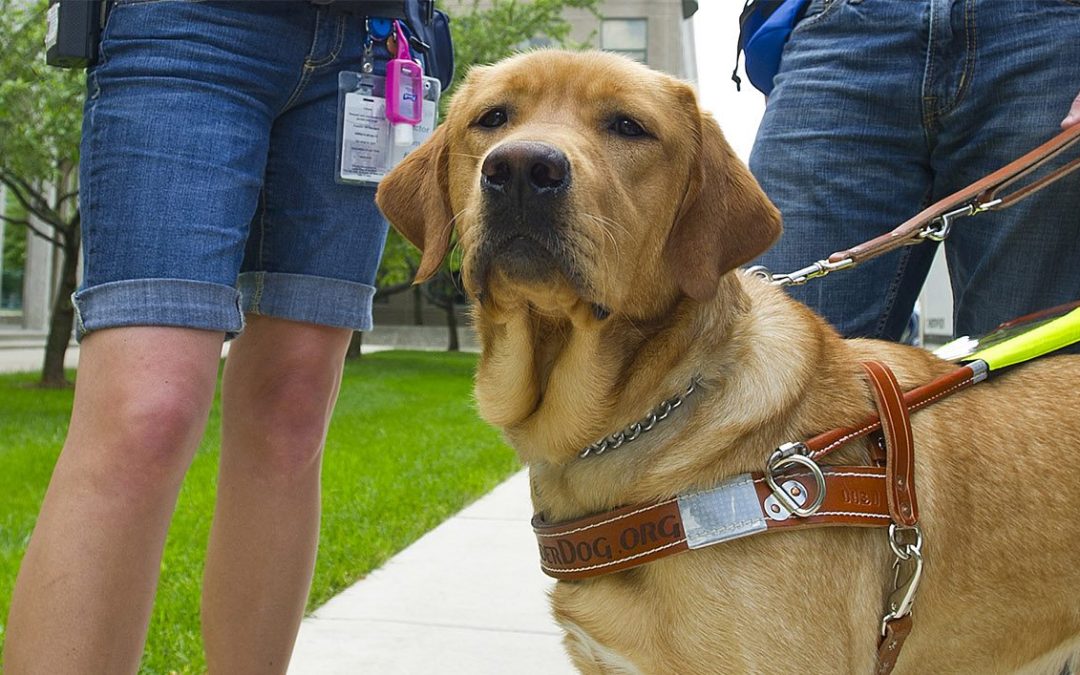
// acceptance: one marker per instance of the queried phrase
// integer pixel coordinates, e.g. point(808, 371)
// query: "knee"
point(152, 437)
point(284, 422)
point(298, 415)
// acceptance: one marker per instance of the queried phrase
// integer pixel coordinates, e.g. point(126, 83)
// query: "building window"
point(626, 36)
point(538, 42)
point(12, 257)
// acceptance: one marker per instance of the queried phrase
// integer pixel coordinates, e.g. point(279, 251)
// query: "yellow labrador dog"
point(601, 217)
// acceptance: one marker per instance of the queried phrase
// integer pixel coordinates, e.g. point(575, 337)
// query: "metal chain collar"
point(632, 432)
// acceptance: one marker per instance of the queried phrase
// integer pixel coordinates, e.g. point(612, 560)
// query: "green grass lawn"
point(405, 451)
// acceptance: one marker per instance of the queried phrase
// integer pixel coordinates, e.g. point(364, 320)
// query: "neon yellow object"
point(1043, 339)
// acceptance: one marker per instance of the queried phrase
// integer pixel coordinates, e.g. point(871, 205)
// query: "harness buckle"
point(786, 455)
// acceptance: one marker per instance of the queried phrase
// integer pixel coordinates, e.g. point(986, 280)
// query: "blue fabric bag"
point(764, 27)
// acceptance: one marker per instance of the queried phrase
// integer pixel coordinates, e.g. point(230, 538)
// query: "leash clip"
point(909, 569)
point(786, 455)
point(800, 276)
point(939, 228)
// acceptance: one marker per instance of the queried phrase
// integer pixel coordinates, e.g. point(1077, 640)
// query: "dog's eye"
point(496, 117)
point(624, 126)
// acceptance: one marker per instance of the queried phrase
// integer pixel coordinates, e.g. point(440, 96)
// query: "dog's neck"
point(557, 379)
point(556, 382)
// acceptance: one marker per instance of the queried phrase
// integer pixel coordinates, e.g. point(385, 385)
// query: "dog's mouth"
point(523, 257)
point(534, 260)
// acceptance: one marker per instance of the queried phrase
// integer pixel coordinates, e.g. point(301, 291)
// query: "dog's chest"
point(585, 650)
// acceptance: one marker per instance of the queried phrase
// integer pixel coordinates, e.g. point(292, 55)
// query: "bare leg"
point(281, 381)
point(84, 594)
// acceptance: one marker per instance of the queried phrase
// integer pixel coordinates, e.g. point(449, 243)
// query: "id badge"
point(366, 149)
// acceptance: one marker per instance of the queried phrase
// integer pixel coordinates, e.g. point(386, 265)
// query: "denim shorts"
point(207, 170)
point(882, 107)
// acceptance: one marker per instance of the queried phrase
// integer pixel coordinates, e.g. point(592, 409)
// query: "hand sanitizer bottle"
point(404, 91)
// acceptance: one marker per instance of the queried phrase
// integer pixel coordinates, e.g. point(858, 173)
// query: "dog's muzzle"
point(525, 187)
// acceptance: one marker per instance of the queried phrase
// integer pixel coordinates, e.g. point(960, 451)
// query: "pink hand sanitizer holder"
point(404, 91)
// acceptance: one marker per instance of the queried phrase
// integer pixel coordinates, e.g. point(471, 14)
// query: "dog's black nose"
point(524, 169)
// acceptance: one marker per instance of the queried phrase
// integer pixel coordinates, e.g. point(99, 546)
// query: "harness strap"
point(899, 443)
point(741, 506)
point(900, 488)
point(896, 632)
point(860, 496)
point(824, 443)
point(864, 496)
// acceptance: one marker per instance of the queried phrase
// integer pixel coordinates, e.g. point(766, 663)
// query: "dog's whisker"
point(608, 221)
point(636, 328)
point(607, 233)
point(457, 215)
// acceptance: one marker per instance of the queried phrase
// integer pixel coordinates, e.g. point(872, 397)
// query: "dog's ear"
point(415, 198)
point(725, 219)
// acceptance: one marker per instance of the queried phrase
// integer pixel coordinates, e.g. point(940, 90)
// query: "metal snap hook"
point(908, 573)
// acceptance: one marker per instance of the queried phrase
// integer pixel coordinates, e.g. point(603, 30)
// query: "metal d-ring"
point(902, 549)
point(778, 461)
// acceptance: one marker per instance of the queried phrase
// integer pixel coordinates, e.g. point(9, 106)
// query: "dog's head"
point(583, 178)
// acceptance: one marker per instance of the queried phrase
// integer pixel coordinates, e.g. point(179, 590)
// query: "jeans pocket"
point(817, 11)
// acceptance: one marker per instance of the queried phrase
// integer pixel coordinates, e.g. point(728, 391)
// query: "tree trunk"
point(63, 313)
point(451, 323)
point(355, 345)
point(418, 306)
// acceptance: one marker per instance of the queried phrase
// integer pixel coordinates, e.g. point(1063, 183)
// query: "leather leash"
point(880, 495)
point(935, 222)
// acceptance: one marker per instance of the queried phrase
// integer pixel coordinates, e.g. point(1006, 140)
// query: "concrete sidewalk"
point(467, 598)
point(29, 359)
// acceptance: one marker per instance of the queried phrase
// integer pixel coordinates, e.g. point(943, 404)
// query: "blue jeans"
point(207, 170)
point(882, 107)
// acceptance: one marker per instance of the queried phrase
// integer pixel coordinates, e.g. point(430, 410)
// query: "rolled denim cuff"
point(158, 302)
point(307, 298)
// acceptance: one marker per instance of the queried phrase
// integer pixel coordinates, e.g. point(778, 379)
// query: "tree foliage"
point(40, 126)
point(485, 32)
point(40, 106)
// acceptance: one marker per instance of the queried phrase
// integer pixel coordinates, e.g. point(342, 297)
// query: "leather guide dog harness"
point(867, 496)
point(794, 492)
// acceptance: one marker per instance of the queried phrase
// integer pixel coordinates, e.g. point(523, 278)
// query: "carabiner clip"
point(909, 569)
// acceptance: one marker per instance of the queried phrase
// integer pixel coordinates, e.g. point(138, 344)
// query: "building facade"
point(28, 266)
point(659, 33)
